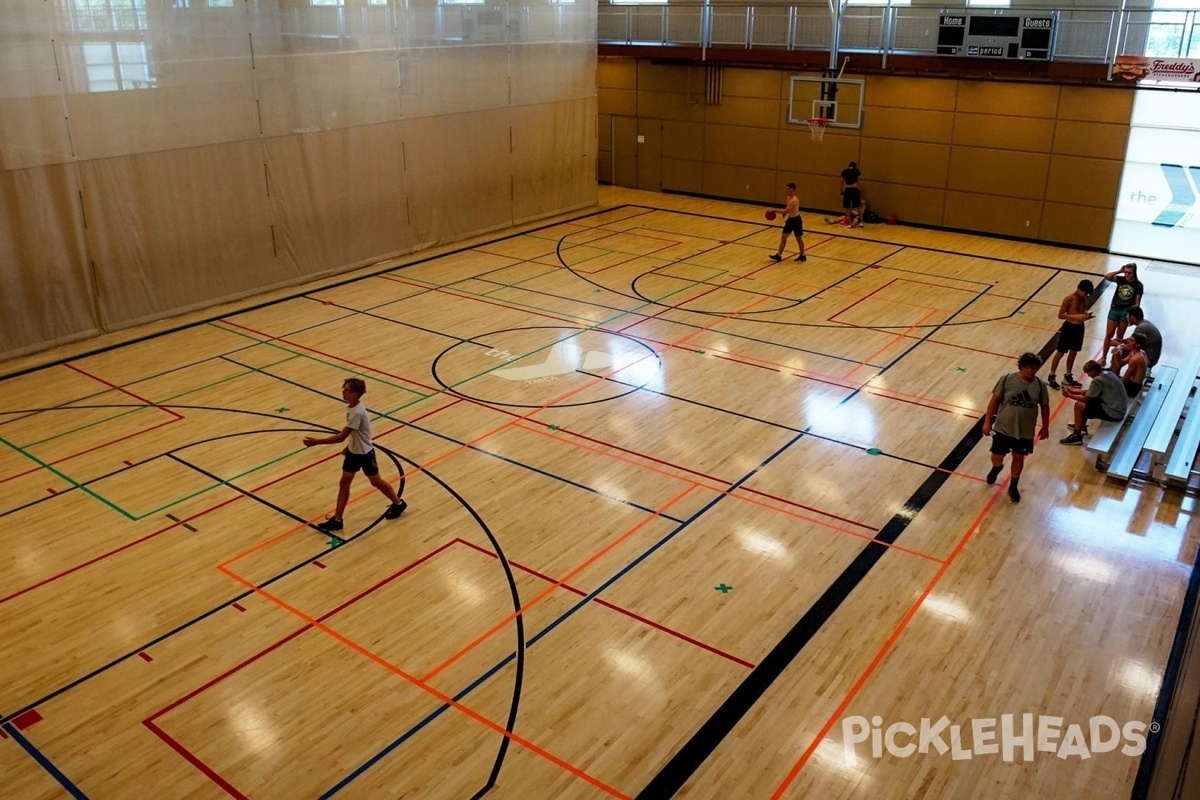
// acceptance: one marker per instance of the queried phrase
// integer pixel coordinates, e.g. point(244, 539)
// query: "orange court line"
point(561, 582)
point(894, 340)
point(446, 699)
point(891, 640)
point(883, 650)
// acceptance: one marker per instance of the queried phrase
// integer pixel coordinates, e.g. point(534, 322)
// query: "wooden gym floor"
point(679, 519)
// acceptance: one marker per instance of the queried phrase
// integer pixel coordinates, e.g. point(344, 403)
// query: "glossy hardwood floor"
point(682, 521)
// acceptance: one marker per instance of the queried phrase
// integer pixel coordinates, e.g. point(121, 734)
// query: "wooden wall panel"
point(741, 183)
point(917, 93)
point(1004, 172)
point(1006, 216)
point(1084, 181)
point(752, 111)
point(674, 78)
point(1079, 225)
point(751, 147)
point(909, 203)
point(1096, 104)
point(968, 154)
point(764, 83)
point(799, 153)
point(1008, 99)
point(683, 140)
point(1095, 139)
point(617, 101)
point(1007, 133)
point(913, 163)
point(682, 176)
point(670, 105)
point(616, 73)
point(918, 125)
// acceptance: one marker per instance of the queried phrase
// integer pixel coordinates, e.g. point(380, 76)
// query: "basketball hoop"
point(816, 127)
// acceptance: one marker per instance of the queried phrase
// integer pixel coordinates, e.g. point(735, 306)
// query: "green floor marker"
point(553, 427)
point(699, 352)
point(335, 542)
point(723, 589)
point(874, 451)
point(281, 410)
point(960, 369)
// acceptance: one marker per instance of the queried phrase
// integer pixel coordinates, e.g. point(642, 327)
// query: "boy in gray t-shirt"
point(1104, 398)
point(358, 454)
point(1012, 416)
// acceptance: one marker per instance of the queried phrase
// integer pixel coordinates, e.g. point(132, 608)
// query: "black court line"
point(519, 672)
point(684, 763)
point(303, 292)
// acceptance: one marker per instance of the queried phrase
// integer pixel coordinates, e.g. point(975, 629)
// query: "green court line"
point(68, 479)
point(518, 283)
point(343, 366)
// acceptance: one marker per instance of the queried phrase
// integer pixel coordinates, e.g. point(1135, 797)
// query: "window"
point(109, 15)
point(989, 3)
point(117, 66)
point(878, 3)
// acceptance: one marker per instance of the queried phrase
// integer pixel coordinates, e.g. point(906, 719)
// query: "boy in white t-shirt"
point(359, 454)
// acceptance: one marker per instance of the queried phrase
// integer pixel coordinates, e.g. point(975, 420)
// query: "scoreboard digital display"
point(992, 36)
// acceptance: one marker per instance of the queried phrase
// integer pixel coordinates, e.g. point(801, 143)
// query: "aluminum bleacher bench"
point(1183, 456)
point(1130, 449)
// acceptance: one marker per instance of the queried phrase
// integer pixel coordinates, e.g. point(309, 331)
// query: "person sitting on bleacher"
point(1104, 398)
point(1129, 361)
point(1153, 346)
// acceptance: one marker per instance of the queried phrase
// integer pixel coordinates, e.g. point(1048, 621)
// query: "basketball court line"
point(393, 320)
point(672, 777)
point(44, 762)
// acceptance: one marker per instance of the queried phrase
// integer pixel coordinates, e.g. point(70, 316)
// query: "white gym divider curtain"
point(164, 155)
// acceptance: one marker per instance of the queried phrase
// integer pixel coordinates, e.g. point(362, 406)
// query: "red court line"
point(194, 761)
point(612, 606)
point(890, 344)
point(464, 296)
point(550, 590)
point(892, 639)
point(923, 405)
point(441, 696)
point(124, 391)
point(883, 651)
point(90, 450)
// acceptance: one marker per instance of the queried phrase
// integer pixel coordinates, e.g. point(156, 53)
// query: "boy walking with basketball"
point(359, 454)
point(1011, 419)
point(1073, 312)
point(792, 223)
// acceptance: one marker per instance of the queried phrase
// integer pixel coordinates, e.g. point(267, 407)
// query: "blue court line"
point(369, 763)
point(44, 762)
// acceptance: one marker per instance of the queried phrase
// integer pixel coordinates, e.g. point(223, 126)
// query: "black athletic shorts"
point(1070, 337)
point(353, 462)
point(793, 225)
point(1132, 388)
point(1002, 445)
point(851, 198)
point(1093, 409)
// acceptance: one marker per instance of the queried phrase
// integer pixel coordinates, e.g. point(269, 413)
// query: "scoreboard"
point(991, 36)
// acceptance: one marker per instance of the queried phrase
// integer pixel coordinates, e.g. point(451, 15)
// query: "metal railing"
point(1085, 34)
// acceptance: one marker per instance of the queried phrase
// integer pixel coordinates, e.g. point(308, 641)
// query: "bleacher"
point(1154, 435)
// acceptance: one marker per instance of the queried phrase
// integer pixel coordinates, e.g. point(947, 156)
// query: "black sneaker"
point(395, 510)
point(1069, 380)
point(1052, 382)
point(1076, 437)
point(1014, 493)
point(1083, 430)
point(994, 473)
point(776, 257)
point(802, 257)
point(330, 525)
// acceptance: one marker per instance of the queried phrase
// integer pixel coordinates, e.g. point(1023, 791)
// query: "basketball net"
point(816, 127)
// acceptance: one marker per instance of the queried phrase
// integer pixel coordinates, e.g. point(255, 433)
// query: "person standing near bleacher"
point(1128, 294)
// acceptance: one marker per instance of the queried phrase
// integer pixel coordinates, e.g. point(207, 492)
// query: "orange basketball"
point(771, 214)
point(890, 219)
